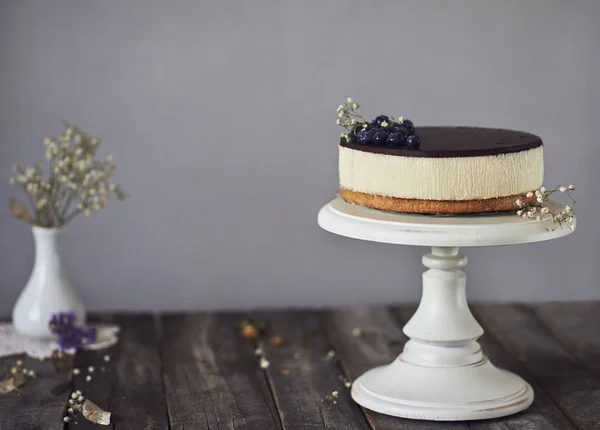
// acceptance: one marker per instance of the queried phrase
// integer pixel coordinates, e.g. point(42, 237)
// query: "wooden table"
point(196, 371)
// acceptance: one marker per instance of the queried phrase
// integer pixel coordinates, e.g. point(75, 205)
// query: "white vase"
point(48, 290)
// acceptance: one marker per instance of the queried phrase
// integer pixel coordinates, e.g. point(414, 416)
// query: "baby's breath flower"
point(384, 124)
point(529, 194)
point(75, 177)
point(349, 100)
point(519, 203)
point(571, 187)
point(541, 213)
point(264, 363)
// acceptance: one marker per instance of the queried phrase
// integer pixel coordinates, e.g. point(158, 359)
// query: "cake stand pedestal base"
point(442, 373)
point(474, 392)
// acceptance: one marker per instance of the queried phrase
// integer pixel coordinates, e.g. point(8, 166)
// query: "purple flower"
point(70, 335)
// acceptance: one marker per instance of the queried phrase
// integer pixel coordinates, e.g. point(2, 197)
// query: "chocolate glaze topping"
point(458, 142)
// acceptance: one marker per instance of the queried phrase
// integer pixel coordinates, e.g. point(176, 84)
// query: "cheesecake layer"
point(378, 171)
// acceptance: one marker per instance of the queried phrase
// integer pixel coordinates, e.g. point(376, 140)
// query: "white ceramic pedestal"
point(442, 373)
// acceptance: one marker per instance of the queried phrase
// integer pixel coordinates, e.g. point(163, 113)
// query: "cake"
point(391, 165)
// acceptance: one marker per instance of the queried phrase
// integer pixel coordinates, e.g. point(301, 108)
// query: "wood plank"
point(130, 384)
point(303, 376)
point(98, 389)
point(577, 325)
point(380, 342)
point(543, 413)
point(572, 386)
point(40, 403)
point(211, 375)
point(139, 398)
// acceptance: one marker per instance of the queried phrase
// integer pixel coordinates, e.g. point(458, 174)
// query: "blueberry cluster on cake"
point(391, 165)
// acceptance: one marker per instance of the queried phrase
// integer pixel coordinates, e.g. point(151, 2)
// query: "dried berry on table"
point(250, 332)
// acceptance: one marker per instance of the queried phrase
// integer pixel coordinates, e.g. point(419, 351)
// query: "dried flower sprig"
point(349, 116)
point(70, 335)
point(541, 212)
point(77, 182)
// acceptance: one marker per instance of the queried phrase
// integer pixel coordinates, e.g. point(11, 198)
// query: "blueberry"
point(380, 137)
point(380, 119)
point(413, 142)
point(409, 126)
point(365, 136)
point(395, 139)
point(400, 129)
point(407, 130)
point(354, 132)
point(373, 125)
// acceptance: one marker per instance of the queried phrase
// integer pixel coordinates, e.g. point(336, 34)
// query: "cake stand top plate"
point(358, 222)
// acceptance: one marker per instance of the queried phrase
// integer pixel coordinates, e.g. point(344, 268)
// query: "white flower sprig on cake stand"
point(541, 211)
point(76, 183)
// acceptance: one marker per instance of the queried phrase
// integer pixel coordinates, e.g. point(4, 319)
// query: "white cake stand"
point(442, 373)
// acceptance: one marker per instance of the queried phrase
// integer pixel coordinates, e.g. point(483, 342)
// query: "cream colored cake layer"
point(457, 178)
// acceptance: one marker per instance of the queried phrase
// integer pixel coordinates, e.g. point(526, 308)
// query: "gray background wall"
point(221, 116)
